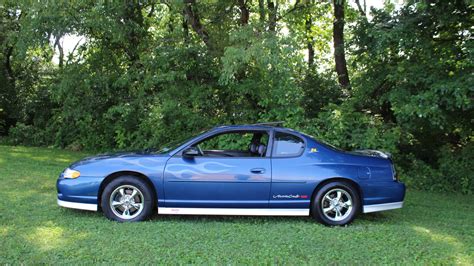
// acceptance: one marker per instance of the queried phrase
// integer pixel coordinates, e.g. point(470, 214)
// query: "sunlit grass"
point(430, 229)
point(47, 237)
point(459, 247)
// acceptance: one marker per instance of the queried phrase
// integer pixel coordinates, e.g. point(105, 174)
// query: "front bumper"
point(77, 205)
point(82, 190)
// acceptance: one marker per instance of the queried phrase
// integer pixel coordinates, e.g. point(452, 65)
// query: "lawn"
point(431, 229)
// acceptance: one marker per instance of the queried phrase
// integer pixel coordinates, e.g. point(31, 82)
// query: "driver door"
point(228, 173)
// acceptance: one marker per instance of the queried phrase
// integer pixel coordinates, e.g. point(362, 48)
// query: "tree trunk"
point(309, 40)
point(133, 15)
point(192, 17)
point(338, 37)
point(9, 94)
point(185, 28)
point(8, 66)
point(359, 7)
point(261, 11)
point(57, 43)
point(244, 12)
point(272, 15)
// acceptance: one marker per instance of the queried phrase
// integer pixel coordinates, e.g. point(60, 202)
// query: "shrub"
point(22, 134)
point(452, 173)
point(457, 168)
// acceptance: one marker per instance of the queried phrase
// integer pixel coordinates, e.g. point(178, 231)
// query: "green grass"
point(431, 228)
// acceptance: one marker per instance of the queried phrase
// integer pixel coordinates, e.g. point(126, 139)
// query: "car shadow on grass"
point(369, 217)
point(374, 217)
point(230, 218)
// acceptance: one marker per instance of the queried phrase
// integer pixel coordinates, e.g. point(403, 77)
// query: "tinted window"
point(235, 144)
point(287, 145)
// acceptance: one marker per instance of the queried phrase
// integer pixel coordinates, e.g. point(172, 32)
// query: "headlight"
point(69, 173)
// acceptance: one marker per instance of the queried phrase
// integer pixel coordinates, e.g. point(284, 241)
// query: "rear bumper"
point(383, 192)
point(77, 205)
point(382, 207)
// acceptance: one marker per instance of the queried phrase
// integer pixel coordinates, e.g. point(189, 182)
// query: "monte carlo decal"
point(290, 196)
point(259, 169)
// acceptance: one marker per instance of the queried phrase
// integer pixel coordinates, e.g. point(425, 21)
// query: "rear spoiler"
point(375, 153)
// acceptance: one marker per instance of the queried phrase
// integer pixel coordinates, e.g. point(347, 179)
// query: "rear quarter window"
point(287, 145)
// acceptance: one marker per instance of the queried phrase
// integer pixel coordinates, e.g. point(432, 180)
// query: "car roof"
point(262, 126)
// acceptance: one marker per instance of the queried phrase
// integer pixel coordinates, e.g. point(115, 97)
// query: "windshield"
point(176, 143)
point(172, 145)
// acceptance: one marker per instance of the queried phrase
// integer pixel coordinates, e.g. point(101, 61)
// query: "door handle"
point(257, 170)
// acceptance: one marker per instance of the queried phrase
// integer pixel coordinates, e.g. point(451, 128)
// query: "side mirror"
point(191, 152)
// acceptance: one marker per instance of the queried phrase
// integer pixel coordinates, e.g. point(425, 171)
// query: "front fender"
point(85, 188)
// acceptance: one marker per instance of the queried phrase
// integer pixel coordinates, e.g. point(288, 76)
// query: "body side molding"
point(234, 211)
point(383, 207)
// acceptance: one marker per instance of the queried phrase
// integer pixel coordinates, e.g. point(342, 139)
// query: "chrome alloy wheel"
point(336, 204)
point(127, 202)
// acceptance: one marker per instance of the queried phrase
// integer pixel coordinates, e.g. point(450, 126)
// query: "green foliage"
point(423, 73)
point(148, 73)
point(416, 75)
point(455, 164)
point(454, 172)
point(23, 134)
point(342, 127)
point(430, 229)
point(270, 88)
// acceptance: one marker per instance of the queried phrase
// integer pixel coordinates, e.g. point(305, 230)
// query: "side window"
point(235, 144)
point(227, 142)
point(287, 145)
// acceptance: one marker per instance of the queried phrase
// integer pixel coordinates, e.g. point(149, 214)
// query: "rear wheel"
point(127, 199)
point(336, 203)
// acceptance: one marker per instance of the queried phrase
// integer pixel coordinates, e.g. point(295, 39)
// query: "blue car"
point(260, 169)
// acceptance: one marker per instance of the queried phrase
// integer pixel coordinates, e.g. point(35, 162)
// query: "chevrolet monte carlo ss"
point(259, 169)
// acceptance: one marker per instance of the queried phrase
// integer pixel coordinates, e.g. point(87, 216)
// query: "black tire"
point(317, 204)
point(144, 195)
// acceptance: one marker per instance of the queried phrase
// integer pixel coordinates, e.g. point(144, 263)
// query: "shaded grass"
point(431, 228)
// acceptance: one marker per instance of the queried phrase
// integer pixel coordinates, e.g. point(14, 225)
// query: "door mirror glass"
point(191, 152)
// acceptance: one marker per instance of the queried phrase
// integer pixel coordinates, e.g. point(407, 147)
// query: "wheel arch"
point(339, 179)
point(117, 174)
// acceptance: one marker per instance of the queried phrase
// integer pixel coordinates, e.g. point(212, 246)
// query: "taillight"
point(395, 174)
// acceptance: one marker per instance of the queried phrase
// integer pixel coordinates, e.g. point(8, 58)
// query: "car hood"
point(118, 155)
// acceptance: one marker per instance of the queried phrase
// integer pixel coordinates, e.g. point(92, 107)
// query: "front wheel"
point(336, 203)
point(127, 199)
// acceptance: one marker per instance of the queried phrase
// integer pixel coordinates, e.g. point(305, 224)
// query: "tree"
point(149, 68)
point(339, 49)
